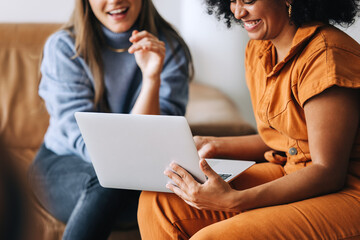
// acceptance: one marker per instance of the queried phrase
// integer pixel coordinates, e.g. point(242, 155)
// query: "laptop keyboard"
point(224, 176)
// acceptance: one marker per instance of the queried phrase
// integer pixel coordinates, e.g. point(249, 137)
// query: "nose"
point(239, 11)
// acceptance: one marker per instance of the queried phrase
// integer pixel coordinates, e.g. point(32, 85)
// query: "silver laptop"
point(131, 151)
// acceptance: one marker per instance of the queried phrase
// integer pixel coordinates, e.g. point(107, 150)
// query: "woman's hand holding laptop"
point(205, 147)
point(214, 194)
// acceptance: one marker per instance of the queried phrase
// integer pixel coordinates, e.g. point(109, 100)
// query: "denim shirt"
point(67, 86)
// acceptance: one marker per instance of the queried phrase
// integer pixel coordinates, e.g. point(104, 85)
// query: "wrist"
point(151, 83)
point(235, 201)
point(155, 77)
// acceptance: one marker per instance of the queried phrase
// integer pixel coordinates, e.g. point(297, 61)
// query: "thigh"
point(59, 180)
point(174, 219)
point(258, 174)
point(333, 216)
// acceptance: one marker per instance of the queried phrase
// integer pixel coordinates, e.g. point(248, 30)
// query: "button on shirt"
point(292, 151)
point(321, 56)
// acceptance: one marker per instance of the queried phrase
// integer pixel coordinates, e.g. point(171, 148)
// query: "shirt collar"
point(301, 38)
point(117, 40)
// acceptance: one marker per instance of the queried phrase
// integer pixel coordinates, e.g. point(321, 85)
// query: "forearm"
point(308, 182)
point(148, 99)
point(250, 147)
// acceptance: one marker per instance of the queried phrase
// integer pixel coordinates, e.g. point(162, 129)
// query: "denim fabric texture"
point(68, 188)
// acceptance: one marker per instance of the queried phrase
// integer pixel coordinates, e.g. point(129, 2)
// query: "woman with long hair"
point(304, 80)
point(116, 56)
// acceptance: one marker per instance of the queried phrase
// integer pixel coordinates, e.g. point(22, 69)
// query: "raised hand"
point(149, 53)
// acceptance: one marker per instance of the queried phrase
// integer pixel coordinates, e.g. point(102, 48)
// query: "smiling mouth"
point(118, 11)
point(250, 24)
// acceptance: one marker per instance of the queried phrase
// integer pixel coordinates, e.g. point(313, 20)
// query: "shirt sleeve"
point(327, 67)
point(174, 89)
point(66, 89)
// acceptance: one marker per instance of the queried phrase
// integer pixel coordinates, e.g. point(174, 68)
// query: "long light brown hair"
point(88, 35)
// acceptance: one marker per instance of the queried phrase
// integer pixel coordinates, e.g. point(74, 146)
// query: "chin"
point(256, 37)
point(119, 28)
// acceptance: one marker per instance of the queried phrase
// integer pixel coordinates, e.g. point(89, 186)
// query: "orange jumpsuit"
point(321, 56)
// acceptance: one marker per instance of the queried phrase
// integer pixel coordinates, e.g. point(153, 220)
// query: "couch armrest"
point(211, 113)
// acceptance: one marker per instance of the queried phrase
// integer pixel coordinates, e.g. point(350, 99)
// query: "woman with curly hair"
point(304, 78)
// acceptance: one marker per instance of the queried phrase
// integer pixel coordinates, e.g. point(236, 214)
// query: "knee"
point(245, 225)
point(153, 206)
point(146, 212)
point(93, 189)
point(146, 203)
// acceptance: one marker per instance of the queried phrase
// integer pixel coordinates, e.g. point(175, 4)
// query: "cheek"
point(138, 4)
point(95, 6)
point(232, 7)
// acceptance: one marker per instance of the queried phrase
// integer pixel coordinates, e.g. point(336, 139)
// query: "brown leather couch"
point(24, 119)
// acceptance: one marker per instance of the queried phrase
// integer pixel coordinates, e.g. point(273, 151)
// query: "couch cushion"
point(210, 112)
point(23, 117)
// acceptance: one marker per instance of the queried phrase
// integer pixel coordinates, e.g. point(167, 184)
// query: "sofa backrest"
point(23, 117)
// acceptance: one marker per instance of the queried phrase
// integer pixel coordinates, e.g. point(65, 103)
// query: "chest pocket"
point(279, 109)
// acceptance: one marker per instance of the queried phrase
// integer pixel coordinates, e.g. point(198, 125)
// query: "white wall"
point(35, 10)
point(217, 51)
point(353, 30)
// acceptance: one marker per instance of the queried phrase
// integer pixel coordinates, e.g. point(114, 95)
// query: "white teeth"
point(252, 23)
point(117, 11)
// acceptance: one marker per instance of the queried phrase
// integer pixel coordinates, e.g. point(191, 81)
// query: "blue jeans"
point(68, 188)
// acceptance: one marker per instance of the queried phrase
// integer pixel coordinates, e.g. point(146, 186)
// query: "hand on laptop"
point(214, 194)
point(205, 146)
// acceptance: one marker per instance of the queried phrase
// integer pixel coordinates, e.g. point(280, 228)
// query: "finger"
point(175, 189)
point(207, 170)
point(148, 40)
point(134, 33)
point(204, 151)
point(171, 187)
point(137, 36)
point(153, 48)
point(148, 46)
point(192, 204)
point(175, 178)
point(185, 176)
point(158, 51)
point(198, 142)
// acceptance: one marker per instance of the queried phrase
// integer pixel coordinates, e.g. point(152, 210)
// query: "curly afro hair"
point(303, 11)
